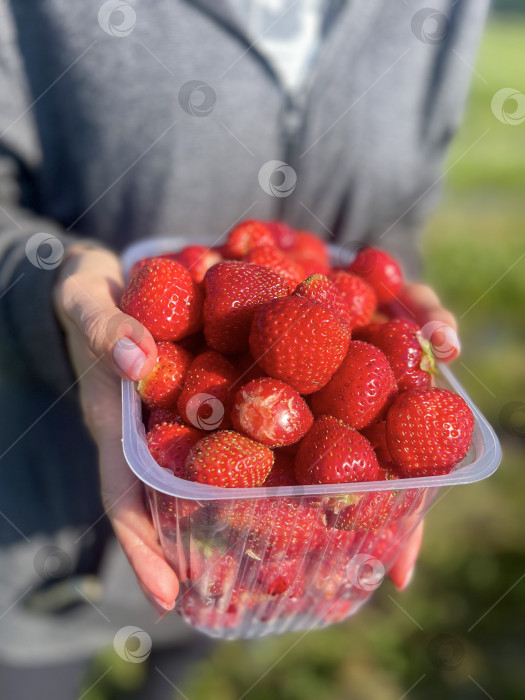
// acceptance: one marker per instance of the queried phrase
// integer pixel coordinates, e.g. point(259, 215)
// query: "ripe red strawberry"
point(197, 259)
point(163, 415)
point(333, 453)
point(283, 471)
point(162, 387)
point(358, 295)
point(169, 445)
point(271, 412)
point(246, 236)
point(272, 257)
point(374, 509)
point(233, 292)
point(164, 298)
point(376, 436)
point(278, 577)
point(429, 431)
point(319, 288)
point(407, 351)
point(380, 270)
point(275, 527)
point(360, 389)
point(284, 236)
point(208, 392)
point(228, 459)
point(311, 252)
point(145, 261)
point(212, 572)
point(298, 341)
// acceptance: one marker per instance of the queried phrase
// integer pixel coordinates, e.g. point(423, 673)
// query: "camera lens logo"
point(429, 25)
point(132, 644)
point(443, 339)
point(205, 411)
point(508, 106)
point(117, 18)
point(44, 251)
point(278, 179)
point(197, 98)
point(365, 572)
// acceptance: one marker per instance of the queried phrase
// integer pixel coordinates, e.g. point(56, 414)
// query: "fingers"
point(420, 303)
point(124, 502)
point(403, 569)
point(86, 298)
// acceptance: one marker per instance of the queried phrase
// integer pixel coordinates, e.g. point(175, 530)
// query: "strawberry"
point(233, 292)
point(278, 577)
point(208, 391)
point(197, 259)
point(230, 460)
point(429, 431)
point(380, 270)
point(407, 351)
point(311, 252)
point(319, 288)
point(361, 388)
point(283, 472)
point(332, 453)
point(169, 445)
point(272, 257)
point(144, 261)
point(284, 236)
point(175, 513)
point(271, 412)
point(275, 527)
point(245, 237)
point(359, 296)
point(162, 387)
point(373, 509)
point(164, 298)
point(298, 341)
point(163, 415)
point(376, 436)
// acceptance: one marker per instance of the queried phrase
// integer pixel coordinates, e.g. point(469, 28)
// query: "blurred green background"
point(472, 562)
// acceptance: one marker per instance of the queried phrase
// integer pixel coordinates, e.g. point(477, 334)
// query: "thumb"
point(122, 341)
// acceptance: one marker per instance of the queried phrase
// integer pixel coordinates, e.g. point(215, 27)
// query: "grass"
point(473, 552)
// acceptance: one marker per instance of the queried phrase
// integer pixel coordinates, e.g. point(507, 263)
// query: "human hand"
point(105, 344)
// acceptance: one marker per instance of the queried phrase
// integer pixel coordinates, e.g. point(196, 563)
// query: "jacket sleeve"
point(31, 246)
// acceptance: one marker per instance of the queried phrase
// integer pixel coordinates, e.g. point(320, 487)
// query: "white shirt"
point(287, 32)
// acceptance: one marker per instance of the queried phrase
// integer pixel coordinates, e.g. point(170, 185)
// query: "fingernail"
point(128, 357)
point(162, 604)
point(408, 579)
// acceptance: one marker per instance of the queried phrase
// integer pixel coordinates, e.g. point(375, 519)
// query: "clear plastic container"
point(260, 561)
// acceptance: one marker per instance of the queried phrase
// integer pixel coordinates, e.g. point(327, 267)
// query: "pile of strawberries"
point(276, 369)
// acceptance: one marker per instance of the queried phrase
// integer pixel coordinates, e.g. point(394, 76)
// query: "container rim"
point(147, 470)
